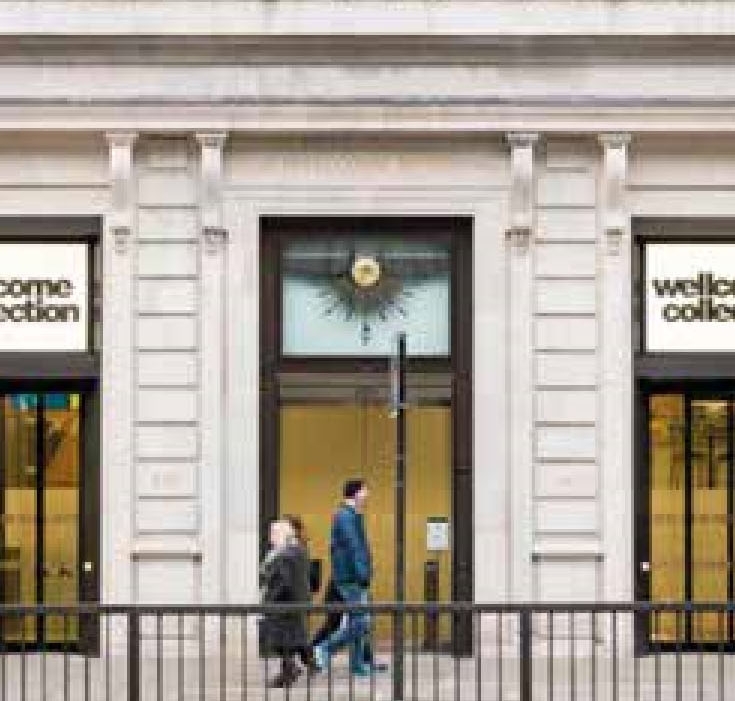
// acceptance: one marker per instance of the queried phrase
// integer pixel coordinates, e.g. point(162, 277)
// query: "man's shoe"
point(362, 670)
point(378, 666)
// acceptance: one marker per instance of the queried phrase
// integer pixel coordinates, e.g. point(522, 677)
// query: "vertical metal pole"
point(398, 622)
point(40, 530)
point(133, 656)
point(525, 655)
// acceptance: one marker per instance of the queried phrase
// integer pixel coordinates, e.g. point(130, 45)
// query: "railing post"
point(526, 659)
point(133, 655)
point(431, 596)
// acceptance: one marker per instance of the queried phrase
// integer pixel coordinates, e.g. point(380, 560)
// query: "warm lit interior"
point(40, 472)
point(323, 444)
point(706, 482)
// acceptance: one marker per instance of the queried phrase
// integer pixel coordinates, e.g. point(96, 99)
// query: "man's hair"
point(352, 487)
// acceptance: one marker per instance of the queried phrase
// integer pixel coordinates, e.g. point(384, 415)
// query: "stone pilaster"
point(213, 398)
point(616, 371)
point(520, 344)
point(117, 367)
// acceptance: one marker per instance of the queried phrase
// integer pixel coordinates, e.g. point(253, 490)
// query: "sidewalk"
point(428, 678)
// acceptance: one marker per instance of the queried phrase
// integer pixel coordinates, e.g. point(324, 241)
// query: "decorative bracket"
point(214, 239)
point(519, 237)
point(615, 217)
point(522, 189)
point(120, 217)
point(213, 233)
point(121, 234)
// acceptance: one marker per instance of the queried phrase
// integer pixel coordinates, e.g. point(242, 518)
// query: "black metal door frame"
point(688, 373)
point(73, 372)
point(457, 231)
point(690, 391)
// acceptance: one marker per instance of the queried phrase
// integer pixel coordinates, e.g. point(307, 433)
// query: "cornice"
point(385, 117)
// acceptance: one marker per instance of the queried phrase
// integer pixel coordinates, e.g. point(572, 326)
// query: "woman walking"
point(284, 580)
point(305, 653)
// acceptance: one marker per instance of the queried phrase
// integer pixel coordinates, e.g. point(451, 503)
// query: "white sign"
point(44, 296)
point(437, 534)
point(690, 297)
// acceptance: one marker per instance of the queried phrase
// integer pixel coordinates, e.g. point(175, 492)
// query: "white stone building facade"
point(561, 129)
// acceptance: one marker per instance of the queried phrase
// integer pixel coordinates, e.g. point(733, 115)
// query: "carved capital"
point(522, 188)
point(215, 239)
point(211, 145)
point(212, 139)
point(615, 139)
point(122, 199)
point(615, 167)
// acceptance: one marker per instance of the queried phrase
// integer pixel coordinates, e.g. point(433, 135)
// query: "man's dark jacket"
point(351, 560)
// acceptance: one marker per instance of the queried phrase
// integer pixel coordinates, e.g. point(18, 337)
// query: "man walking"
point(351, 574)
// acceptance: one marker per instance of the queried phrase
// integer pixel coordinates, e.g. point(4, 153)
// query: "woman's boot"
point(287, 676)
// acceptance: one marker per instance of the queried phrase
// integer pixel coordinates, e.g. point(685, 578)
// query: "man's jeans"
point(354, 629)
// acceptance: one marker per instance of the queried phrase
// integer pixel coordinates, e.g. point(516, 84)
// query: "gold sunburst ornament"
point(368, 290)
point(365, 271)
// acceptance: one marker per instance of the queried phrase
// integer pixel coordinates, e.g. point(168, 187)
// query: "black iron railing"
point(473, 652)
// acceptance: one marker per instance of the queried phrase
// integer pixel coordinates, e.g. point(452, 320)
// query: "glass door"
point(322, 444)
point(690, 513)
point(40, 475)
point(710, 485)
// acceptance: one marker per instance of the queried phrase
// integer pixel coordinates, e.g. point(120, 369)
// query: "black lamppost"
point(398, 391)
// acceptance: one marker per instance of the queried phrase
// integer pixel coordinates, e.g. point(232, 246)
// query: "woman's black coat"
point(286, 581)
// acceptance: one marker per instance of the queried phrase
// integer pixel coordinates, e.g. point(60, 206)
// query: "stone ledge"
point(368, 17)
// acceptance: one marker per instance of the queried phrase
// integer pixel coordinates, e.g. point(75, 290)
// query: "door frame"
point(677, 371)
point(457, 231)
point(691, 390)
point(77, 372)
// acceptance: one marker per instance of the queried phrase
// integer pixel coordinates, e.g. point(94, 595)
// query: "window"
point(350, 296)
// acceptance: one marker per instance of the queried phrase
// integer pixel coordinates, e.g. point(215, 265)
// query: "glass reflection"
point(19, 534)
point(40, 450)
point(666, 440)
point(709, 473)
point(61, 509)
point(690, 512)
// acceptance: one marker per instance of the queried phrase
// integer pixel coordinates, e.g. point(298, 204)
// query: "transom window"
point(351, 296)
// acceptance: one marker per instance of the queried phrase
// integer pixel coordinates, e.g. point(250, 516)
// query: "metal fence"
point(456, 652)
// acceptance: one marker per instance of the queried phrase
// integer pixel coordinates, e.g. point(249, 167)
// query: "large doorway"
point(48, 507)
point(687, 548)
point(334, 293)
